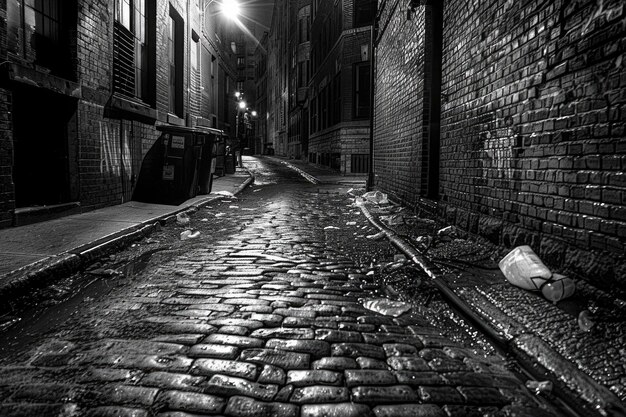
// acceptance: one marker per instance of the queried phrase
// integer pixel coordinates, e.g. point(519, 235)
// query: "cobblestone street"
point(261, 315)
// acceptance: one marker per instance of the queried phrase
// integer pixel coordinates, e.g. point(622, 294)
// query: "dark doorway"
point(41, 164)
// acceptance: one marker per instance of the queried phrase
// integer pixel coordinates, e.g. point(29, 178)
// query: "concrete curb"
point(527, 348)
point(17, 284)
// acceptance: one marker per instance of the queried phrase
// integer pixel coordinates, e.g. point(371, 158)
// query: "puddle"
point(26, 326)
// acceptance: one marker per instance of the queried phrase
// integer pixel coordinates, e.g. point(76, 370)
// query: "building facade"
point(339, 89)
point(277, 76)
point(298, 74)
point(84, 84)
point(513, 129)
point(260, 122)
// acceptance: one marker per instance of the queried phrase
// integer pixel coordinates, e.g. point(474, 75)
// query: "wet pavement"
point(263, 313)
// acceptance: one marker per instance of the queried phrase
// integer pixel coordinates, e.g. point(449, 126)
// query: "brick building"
point(277, 76)
point(339, 90)
point(507, 118)
point(83, 85)
point(260, 123)
point(299, 70)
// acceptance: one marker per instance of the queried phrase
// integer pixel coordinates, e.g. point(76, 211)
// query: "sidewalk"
point(32, 254)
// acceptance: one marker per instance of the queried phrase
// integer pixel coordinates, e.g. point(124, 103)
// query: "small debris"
point(188, 234)
point(387, 307)
point(449, 232)
point(376, 197)
point(225, 193)
point(220, 214)
point(539, 387)
point(350, 223)
point(330, 227)
point(585, 321)
point(182, 219)
point(204, 220)
point(399, 258)
point(423, 242)
point(377, 236)
point(392, 220)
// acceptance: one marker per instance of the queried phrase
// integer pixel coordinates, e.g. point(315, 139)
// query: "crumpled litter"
point(188, 234)
point(377, 236)
point(387, 307)
point(585, 321)
point(539, 387)
point(451, 232)
point(376, 197)
point(224, 192)
point(393, 219)
point(182, 219)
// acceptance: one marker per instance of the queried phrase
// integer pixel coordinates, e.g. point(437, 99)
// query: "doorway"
point(43, 123)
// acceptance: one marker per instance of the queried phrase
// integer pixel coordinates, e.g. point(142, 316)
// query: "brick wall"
point(532, 149)
point(399, 105)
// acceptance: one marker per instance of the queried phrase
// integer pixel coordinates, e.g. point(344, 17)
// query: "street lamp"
point(241, 108)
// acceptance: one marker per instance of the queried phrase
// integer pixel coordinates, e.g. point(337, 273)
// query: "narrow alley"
point(262, 314)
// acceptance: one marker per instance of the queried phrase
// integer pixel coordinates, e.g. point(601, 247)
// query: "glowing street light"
point(231, 9)
point(242, 105)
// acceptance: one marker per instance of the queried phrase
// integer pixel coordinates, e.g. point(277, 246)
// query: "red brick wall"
point(533, 149)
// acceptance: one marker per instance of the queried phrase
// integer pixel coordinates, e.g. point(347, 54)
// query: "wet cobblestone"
point(262, 315)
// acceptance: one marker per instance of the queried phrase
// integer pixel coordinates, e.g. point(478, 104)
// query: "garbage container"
point(179, 165)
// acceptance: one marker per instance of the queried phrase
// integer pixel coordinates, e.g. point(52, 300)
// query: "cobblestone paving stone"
point(260, 316)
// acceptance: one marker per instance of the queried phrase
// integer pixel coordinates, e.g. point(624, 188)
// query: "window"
point(336, 105)
point(303, 29)
point(175, 60)
point(41, 32)
point(134, 53)
point(241, 61)
point(314, 115)
point(359, 163)
point(324, 107)
point(364, 12)
point(362, 90)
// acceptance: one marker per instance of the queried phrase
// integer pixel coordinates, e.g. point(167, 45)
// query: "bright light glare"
point(242, 105)
point(254, 113)
point(230, 8)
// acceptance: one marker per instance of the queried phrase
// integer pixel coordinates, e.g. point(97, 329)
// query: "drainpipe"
point(373, 32)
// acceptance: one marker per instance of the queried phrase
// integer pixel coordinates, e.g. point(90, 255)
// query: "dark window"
point(362, 90)
point(359, 163)
point(41, 31)
point(175, 60)
point(336, 105)
point(324, 107)
point(314, 115)
point(134, 56)
point(364, 12)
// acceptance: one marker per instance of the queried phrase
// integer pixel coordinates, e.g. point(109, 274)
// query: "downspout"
point(373, 32)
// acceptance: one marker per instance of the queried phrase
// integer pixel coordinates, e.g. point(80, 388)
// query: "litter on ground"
point(387, 307)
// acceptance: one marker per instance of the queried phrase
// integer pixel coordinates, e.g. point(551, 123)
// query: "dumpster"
point(179, 166)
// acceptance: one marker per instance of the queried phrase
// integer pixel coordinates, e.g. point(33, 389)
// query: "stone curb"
point(17, 284)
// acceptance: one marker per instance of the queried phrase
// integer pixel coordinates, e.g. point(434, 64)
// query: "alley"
point(261, 315)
